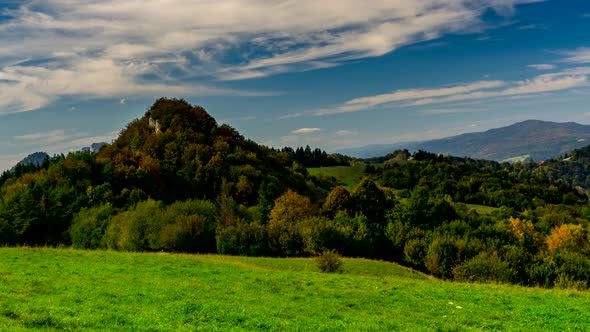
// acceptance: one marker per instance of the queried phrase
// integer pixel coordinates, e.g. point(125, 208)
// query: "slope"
point(121, 292)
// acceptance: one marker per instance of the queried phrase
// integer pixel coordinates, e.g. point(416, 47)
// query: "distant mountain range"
point(36, 159)
point(531, 139)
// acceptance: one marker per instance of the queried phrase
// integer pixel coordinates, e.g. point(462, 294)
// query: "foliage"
point(338, 200)
point(329, 261)
point(176, 181)
point(485, 267)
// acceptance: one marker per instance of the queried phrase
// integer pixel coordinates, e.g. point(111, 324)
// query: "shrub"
point(243, 239)
point(415, 251)
point(89, 226)
point(441, 257)
point(6, 232)
point(485, 267)
point(330, 261)
point(573, 270)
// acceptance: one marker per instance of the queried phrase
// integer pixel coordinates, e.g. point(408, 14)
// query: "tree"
point(371, 201)
point(338, 200)
point(286, 217)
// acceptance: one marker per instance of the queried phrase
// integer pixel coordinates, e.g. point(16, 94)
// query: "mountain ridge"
point(538, 139)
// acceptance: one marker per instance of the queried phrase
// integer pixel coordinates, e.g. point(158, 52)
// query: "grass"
point(347, 176)
point(63, 289)
point(482, 210)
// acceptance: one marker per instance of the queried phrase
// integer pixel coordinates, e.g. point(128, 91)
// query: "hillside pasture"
point(64, 289)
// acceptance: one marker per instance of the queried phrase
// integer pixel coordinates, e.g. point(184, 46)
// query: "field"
point(347, 176)
point(64, 289)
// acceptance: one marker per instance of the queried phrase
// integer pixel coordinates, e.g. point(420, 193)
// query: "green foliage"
point(572, 269)
point(442, 256)
point(485, 267)
point(286, 223)
point(338, 200)
point(89, 226)
point(244, 239)
point(150, 226)
point(7, 235)
point(371, 201)
point(329, 261)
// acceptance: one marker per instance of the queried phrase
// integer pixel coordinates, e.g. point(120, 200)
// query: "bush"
point(329, 261)
point(7, 234)
point(573, 270)
point(441, 257)
point(244, 239)
point(415, 251)
point(89, 226)
point(485, 267)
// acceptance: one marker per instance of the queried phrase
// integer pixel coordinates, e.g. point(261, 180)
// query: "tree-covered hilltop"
point(175, 152)
point(572, 169)
point(175, 180)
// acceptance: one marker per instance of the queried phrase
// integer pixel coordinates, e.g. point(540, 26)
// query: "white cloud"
point(57, 141)
point(580, 55)
point(46, 137)
point(542, 66)
point(345, 133)
point(533, 27)
point(449, 110)
point(558, 81)
point(305, 130)
point(109, 48)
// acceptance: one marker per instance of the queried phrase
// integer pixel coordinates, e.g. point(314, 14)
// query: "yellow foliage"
point(521, 228)
point(566, 235)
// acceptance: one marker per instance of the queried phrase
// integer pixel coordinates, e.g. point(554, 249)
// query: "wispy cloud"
point(345, 132)
point(45, 137)
point(305, 130)
point(108, 48)
point(542, 66)
point(449, 110)
point(533, 27)
point(56, 141)
point(580, 55)
point(558, 81)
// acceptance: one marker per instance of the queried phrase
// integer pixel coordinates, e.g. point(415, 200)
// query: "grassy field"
point(347, 176)
point(62, 289)
point(482, 210)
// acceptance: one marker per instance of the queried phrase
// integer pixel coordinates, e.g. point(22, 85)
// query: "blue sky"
point(330, 74)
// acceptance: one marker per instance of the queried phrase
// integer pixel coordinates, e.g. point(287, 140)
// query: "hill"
point(35, 159)
point(97, 290)
point(572, 169)
point(176, 181)
point(537, 140)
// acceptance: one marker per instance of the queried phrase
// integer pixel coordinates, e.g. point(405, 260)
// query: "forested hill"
point(173, 153)
point(175, 180)
point(573, 169)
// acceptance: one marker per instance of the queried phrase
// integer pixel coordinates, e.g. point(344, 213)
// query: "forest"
point(176, 181)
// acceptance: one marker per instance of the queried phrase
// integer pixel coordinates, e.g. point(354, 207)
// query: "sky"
point(331, 74)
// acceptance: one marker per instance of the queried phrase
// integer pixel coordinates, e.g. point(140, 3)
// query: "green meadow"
point(65, 289)
point(347, 176)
